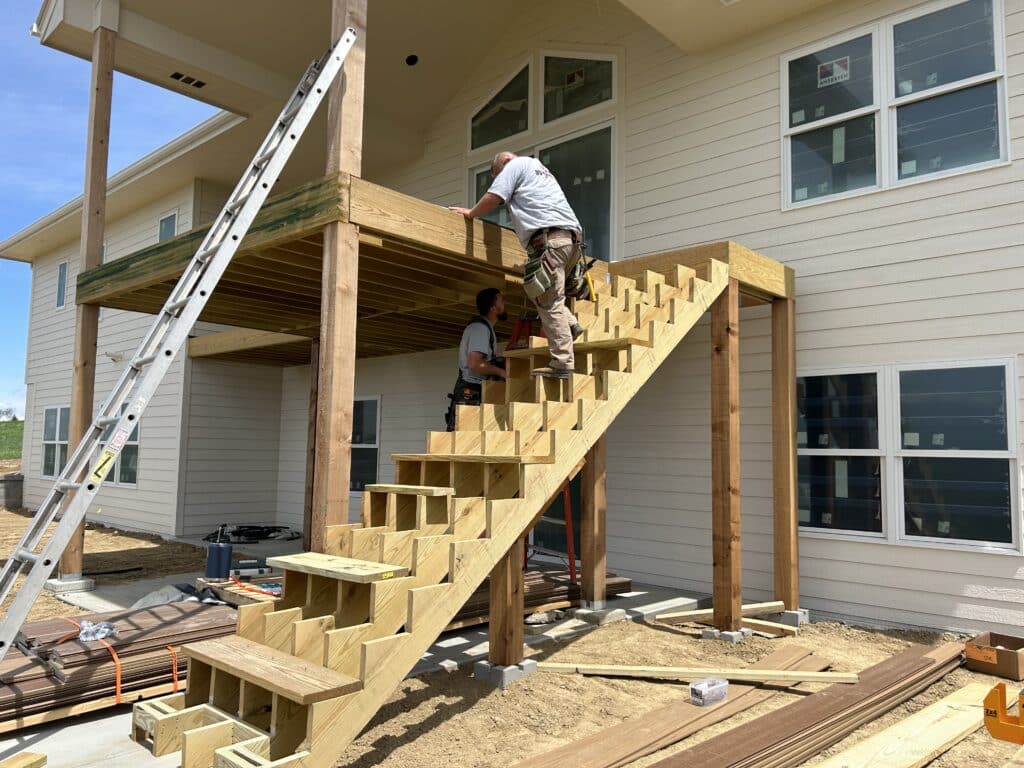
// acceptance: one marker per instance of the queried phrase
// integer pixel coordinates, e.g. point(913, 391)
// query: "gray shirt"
point(476, 338)
point(534, 198)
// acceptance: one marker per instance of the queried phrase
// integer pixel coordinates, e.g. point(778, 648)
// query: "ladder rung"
point(25, 556)
point(237, 204)
point(203, 256)
point(293, 109)
point(174, 306)
point(141, 362)
point(68, 485)
point(106, 421)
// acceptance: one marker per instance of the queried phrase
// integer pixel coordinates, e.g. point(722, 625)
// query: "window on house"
point(506, 114)
point(55, 440)
point(365, 431)
point(125, 470)
point(62, 284)
point(168, 227)
point(572, 85)
point(839, 457)
point(935, 109)
point(949, 450)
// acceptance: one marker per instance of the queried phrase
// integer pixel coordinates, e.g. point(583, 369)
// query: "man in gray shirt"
point(478, 358)
point(548, 228)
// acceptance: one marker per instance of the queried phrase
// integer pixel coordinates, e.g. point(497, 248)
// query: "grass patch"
point(10, 439)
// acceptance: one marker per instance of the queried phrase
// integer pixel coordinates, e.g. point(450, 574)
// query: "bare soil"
point(450, 719)
point(9, 466)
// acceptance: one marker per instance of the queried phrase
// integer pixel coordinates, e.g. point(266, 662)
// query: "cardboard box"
point(995, 654)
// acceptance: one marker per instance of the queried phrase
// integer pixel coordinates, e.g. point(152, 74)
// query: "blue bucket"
point(218, 560)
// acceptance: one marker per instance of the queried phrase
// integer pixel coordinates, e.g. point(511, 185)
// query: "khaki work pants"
point(561, 254)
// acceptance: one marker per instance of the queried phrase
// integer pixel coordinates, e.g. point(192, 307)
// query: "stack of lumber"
point(621, 744)
point(790, 735)
point(30, 693)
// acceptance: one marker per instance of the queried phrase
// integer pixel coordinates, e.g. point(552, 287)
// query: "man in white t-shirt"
point(547, 227)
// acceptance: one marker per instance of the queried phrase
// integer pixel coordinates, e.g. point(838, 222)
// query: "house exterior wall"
point(929, 272)
point(149, 505)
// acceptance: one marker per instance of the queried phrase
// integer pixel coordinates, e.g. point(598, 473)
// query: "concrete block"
point(600, 618)
point(746, 632)
point(732, 637)
point(63, 586)
point(503, 677)
point(709, 633)
point(448, 665)
point(794, 618)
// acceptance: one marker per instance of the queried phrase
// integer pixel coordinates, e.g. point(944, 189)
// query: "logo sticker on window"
point(835, 71)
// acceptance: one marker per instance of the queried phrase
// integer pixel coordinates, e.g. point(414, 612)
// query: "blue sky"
point(42, 155)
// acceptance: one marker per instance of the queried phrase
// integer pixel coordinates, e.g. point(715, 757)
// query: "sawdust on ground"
point(9, 466)
point(111, 556)
point(450, 719)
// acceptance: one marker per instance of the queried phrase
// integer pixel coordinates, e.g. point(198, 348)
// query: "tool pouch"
point(538, 277)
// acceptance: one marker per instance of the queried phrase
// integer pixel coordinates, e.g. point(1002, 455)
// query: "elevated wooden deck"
point(420, 267)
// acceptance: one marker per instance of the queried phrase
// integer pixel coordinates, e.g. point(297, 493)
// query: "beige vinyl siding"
point(291, 468)
point(150, 504)
point(231, 455)
point(925, 272)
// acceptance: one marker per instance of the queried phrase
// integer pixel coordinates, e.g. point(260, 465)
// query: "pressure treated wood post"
point(725, 458)
point(87, 316)
point(505, 629)
point(786, 525)
point(593, 533)
point(336, 369)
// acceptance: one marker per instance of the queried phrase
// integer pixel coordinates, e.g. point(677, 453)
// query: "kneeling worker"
point(478, 359)
point(550, 233)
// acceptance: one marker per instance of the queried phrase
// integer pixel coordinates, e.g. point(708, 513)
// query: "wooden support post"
point(786, 525)
point(94, 209)
point(336, 370)
point(593, 534)
point(725, 458)
point(307, 507)
point(507, 608)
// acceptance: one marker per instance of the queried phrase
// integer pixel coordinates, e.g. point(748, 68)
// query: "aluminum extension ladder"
point(125, 405)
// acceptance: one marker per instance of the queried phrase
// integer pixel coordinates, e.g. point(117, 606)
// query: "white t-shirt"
point(534, 198)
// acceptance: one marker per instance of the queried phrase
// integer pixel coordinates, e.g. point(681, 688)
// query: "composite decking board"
point(754, 742)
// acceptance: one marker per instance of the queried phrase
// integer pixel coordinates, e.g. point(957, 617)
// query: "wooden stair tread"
point(585, 346)
point(336, 567)
point(473, 458)
point(412, 490)
point(288, 676)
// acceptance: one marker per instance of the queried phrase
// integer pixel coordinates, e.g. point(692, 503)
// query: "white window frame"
point(57, 442)
point(160, 220)
point(61, 299)
point(880, 452)
point(362, 399)
point(527, 64)
point(115, 473)
point(600, 108)
point(886, 103)
point(1009, 455)
point(890, 446)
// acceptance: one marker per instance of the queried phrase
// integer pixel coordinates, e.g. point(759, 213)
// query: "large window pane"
point(838, 411)
point(129, 465)
point(571, 85)
point(949, 498)
point(364, 468)
point(950, 131)
point(830, 82)
point(62, 431)
point(840, 493)
point(505, 115)
point(364, 422)
point(50, 424)
point(49, 459)
point(954, 409)
point(168, 227)
point(499, 215)
point(583, 168)
point(945, 46)
point(835, 159)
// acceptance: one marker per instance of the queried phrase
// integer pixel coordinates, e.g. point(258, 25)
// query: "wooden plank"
point(292, 678)
point(725, 458)
point(24, 760)
point(917, 740)
point(94, 211)
point(707, 614)
point(505, 629)
point(335, 567)
point(241, 340)
point(770, 627)
point(786, 524)
point(474, 459)
point(594, 526)
point(418, 490)
point(696, 673)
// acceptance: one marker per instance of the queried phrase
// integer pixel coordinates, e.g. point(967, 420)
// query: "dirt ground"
point(449, 719)
point(9, 466)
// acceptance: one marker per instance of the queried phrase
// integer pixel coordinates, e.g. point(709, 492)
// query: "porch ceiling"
point(420, 267)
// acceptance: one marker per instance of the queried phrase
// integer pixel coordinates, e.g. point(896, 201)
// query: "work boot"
point(551, 373)
point(576, 330)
